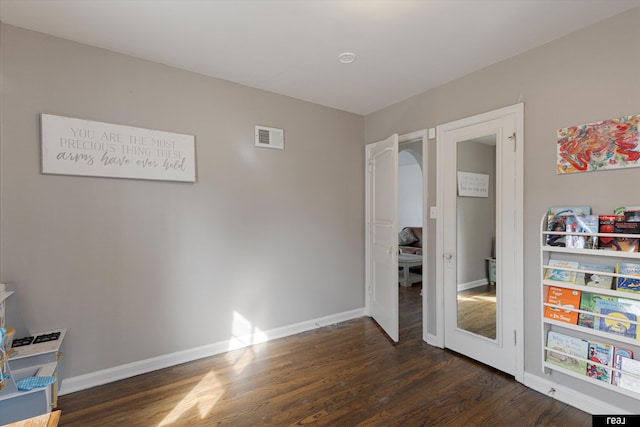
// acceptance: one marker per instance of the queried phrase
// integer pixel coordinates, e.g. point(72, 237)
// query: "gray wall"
point(136, 269)
point(587, 76)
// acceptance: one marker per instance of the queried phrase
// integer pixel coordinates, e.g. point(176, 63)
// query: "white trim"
point(439, 302)
point(518, 238)
point(413, 136)
point(571, 396)
point(82, 382)
point(473, 284)
point(426, 268)
point(433, 340)
point(367, 231)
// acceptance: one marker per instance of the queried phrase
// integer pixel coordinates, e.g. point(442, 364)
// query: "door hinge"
point(514, 140)
point(515, 337)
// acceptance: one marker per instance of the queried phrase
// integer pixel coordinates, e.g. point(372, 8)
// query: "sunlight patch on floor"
point(203, 396)
point(477, 298)
point(243, 335)
point(240, 359)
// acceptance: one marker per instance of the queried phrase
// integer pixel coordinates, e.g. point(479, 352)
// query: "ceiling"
point(291, 47)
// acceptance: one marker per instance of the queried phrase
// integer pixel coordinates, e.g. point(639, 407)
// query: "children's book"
point(560, 275)
point(632, 215)
point(582, 224)
point(620, 317)
point(628, 284)
point(618, 354)
point(602, 354)
point(566, 347)
point(626, 244)
point(593, 278)
point(568, 299)
point(556, 221)
point(588, 303)
point(632, 306)
point(627, 380)
point(606, 224)
point(622, 209)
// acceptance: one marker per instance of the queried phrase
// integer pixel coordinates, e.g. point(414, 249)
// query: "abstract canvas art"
point(608, 144)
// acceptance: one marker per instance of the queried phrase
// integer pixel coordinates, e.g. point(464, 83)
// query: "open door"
point(382, 234)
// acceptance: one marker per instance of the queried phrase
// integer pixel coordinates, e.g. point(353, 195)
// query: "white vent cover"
point(269, 137)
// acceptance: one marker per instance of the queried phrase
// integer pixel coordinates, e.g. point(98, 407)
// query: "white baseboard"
point(83, 382)
point(474, 284)
point(571, 396)
point(433, 340)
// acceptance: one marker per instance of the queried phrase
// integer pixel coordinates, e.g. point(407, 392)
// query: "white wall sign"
point(87, 148)
point(473, 184)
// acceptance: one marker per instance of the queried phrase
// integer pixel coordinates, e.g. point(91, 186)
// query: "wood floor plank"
point(348, 374)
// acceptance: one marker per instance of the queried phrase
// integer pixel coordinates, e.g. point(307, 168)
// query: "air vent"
point(269, 137)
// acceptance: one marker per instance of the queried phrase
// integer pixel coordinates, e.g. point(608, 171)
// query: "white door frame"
point(414, 136)
point(518, 237)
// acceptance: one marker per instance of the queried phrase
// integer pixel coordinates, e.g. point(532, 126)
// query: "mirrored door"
point(476, 235)
point(480, 191)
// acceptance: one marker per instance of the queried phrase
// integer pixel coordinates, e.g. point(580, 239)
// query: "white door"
point(480, 191)
point(382, 234)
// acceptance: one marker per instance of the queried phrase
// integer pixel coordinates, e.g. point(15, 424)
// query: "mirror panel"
point(476, 236)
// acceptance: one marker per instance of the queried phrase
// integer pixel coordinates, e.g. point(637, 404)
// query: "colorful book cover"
point(588, 303)
point(594, 279)
point(626, 244)
point(632, 215)
point(627, 284)
point(567, 298)
point(620, 317)
point(556, 221)
point(566, 347)
point(626, 380)
point(602, 354)
point(560, 275)
point(606, 224)
point(582, 224)
point(618, 354)
point(631, 306)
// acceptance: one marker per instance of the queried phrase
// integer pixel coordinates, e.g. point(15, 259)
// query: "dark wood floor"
point(343, 375)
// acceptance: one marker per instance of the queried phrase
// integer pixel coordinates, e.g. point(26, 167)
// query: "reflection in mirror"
point(476, 233)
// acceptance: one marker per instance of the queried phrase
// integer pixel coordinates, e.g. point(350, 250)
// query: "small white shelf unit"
point(39, 359)
point(585, 255)
point(4, 294)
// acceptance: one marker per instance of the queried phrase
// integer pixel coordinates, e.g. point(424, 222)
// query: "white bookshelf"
point(577, 331)
point(4, 294)
point(35, 359)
